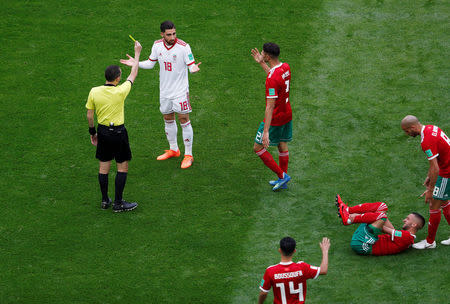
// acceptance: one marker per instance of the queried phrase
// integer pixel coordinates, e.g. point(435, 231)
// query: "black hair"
point(421, 218)
point(166, 25)
point(287, 246)
point(272, 49)
point(112, 72)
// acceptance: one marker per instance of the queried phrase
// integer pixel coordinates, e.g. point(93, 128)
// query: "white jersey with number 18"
point(173, 67)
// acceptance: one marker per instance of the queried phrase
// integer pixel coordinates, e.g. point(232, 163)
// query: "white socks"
point(188, 137)
point(171, 133)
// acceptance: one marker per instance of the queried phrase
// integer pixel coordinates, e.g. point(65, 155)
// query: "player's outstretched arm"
point(135, 65)
point(194, 68)
point(260, 59)
point(325, 246)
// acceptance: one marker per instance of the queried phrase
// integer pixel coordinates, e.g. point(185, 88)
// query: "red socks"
point(368, 207)
point(446, 211)
point(268, 160)
point(369, 217)
point(433, 224)
point(283, 158)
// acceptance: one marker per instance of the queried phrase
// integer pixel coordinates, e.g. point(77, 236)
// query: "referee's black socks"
point(103, 181)
point(121, 179)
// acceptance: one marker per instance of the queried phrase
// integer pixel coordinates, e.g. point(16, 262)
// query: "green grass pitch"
point(206, 234)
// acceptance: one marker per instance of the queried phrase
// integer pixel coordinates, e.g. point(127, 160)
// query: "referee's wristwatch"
point(92, 131)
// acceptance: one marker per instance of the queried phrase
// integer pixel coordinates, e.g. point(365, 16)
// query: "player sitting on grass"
point(369, 239)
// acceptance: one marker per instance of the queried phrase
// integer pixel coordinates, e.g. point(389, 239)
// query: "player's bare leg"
point(188, 138)
point(171, 129)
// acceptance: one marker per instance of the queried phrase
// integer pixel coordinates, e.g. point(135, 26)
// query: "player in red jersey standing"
point(276, 129)
point(368, 238)
point(436, 146)
point(288, 279)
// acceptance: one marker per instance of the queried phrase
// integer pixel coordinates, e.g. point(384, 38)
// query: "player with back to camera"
point(375, 234)
point(288, 279)
point(175, 59)
point(436, 145)
point(276, 129)
point(111, 138)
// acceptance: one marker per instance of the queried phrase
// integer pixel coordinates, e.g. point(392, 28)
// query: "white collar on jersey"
point(277, 66)
point(286, 263)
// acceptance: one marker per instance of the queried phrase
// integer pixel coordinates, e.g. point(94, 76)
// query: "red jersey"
point(288, 281)
point(436, 144)
point(277, 86)
point(387, 244)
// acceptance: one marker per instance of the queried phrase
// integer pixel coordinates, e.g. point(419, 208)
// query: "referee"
point(111, 138)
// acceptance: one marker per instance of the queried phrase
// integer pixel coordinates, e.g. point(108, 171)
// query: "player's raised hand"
point(325, 244)
point(257, 55)
point(137, 47)
point(129, 61)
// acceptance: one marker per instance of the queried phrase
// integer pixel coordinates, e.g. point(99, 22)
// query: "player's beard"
point(170, 42)
point(405, 227)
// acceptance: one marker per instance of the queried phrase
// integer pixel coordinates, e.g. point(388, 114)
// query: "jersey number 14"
point(292, 290)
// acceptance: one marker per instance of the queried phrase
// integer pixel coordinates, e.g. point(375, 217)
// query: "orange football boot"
point(187, 161)
point(169, 154)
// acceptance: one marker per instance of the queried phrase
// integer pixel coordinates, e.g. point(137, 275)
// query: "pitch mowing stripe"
point(276, 214)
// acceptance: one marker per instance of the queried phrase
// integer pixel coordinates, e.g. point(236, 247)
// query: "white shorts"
point(180, 104)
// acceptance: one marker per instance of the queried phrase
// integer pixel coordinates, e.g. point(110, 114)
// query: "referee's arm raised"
point(134, 61)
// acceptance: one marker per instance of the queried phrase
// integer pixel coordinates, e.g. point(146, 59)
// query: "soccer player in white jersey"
point(175, 58)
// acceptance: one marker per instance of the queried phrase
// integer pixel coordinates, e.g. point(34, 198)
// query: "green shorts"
point(277, 134)
point(442, 189)
point(364, 237)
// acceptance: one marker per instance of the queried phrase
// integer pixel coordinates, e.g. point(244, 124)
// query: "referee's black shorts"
point(113, 144)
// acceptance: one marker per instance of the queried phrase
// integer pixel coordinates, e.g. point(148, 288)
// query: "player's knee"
point(257, 148)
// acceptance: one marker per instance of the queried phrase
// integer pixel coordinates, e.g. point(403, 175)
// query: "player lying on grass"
point(376, 235)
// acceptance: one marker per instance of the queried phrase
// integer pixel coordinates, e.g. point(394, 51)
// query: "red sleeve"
point(429, 145)
point(272, 88)
point(310, 272)
point(266, 282)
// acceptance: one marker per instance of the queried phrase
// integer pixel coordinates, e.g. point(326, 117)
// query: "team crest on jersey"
point(174, 57)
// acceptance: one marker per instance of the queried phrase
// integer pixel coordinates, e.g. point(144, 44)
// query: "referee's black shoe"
point(105, 205)
point(124, 206)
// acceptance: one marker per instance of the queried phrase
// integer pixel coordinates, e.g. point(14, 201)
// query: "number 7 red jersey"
point(278, 86)
point(288, 281)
